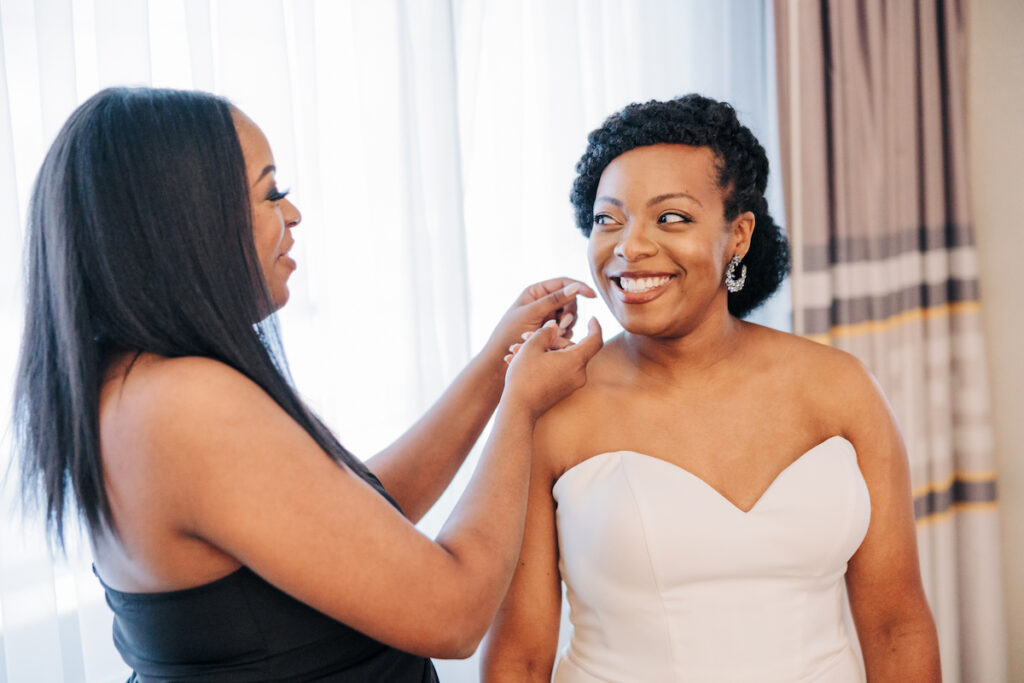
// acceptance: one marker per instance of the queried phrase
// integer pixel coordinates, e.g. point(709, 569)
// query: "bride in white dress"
point(708, 491)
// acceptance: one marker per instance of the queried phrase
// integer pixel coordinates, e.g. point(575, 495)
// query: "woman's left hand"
point(553, 299)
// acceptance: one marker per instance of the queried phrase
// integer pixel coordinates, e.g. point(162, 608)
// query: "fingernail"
point(566, 320)
point(512, 349)
point(508, 358)
point(527, 335)
point(550, 323)
point(572, 289)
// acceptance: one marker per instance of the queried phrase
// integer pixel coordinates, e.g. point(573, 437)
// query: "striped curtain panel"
point(872, 120)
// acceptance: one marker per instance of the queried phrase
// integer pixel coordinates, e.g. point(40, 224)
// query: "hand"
point(553, 299)
point(560, 341)
point(543, 371)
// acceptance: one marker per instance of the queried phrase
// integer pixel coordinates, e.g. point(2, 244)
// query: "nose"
point(634, 243)
point(291, 214)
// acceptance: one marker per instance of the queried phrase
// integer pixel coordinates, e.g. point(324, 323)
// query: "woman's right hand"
point(544, 370)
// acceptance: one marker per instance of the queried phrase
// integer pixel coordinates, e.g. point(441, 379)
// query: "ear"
point(742, 231)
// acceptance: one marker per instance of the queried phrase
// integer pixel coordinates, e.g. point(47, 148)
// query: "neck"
point(678, 359)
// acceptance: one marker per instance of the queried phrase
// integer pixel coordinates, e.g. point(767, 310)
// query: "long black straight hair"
point(139, 240)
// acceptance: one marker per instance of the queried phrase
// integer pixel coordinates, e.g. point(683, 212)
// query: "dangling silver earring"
point(733, 283)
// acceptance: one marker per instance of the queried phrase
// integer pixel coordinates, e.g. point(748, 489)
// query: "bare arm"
point(418, 467)
point(522, 642)
point(236, 472)
point(894, 623)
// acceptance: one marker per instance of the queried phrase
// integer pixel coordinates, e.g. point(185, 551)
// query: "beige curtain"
point(872, 107)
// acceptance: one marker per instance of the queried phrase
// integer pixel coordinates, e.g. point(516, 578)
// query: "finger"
point(548, 305)
point(514, 348)
point(562, 343)
point(571, 307)
point(564, 322)
point(591, 344)
point(540, 290)
point(541, 340)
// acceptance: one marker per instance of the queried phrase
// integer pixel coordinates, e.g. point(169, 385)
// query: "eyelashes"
point(275, 195)
point(674, 217)
point(603, 219)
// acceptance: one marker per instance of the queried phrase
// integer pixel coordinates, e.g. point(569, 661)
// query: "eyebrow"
point(268, 169)
point(651, 202)
point(672, 195)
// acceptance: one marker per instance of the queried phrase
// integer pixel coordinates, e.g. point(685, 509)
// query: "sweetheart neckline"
point(718, 494)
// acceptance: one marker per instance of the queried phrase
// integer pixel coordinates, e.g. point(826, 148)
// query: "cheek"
point(599, 249)
point(267, 235)
point(704, 253)
point(596, 258)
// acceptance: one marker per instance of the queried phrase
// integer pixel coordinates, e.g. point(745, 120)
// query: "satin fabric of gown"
point(667, 580)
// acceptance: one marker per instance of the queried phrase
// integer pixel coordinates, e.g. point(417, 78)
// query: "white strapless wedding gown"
point(669, 581)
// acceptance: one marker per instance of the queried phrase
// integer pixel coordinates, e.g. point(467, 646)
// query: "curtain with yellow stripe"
point(872, 120)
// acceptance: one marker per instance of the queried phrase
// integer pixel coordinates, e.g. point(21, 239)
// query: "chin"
point(644, 326)
point(280, 298)
point(655, 326)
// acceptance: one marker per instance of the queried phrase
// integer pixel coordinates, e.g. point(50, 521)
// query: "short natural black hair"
point(742, 174)
point(139, 240)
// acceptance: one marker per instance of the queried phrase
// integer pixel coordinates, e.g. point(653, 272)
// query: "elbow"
point(463, 611)
point(465, 627)
point(457, 644)
point(468, 635)
point(438, 641)
point(907, 645)
point(464, 650)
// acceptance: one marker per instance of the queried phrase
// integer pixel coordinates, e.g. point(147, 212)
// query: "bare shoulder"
point(835, 390)
point(155, 406)
point(156, 377)
point(177, 434)
point(822, 369)
point(849, 400)
point(562, 433)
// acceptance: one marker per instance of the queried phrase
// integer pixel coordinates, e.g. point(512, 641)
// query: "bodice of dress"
point(669, 581)
point(242, 628)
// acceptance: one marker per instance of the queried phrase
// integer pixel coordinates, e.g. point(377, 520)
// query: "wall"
point(996, 138)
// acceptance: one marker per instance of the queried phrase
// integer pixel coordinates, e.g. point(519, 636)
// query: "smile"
point(641, 284)
point(637, 289)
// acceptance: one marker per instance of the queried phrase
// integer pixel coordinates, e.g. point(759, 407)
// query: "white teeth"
point(642, 284)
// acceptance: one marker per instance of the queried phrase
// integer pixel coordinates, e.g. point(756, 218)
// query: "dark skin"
point(206, 473)
point(685, 371)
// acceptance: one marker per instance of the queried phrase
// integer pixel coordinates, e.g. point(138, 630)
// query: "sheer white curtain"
point(430, 146)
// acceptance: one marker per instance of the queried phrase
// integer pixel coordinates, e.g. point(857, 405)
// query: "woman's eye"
point(603, 219)
point(673, 218)
point(276, 195)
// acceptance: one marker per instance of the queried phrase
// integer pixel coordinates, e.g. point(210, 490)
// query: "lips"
point(640, 287)
point(287, 260)
point(283, 254)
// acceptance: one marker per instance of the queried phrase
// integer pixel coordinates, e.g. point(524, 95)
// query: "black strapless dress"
point(241, 628)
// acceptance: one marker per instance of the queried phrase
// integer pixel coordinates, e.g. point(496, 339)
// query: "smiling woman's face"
point(660, 242)
point(273, 216)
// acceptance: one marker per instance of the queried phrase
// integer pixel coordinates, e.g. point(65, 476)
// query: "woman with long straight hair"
point(235, 537)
